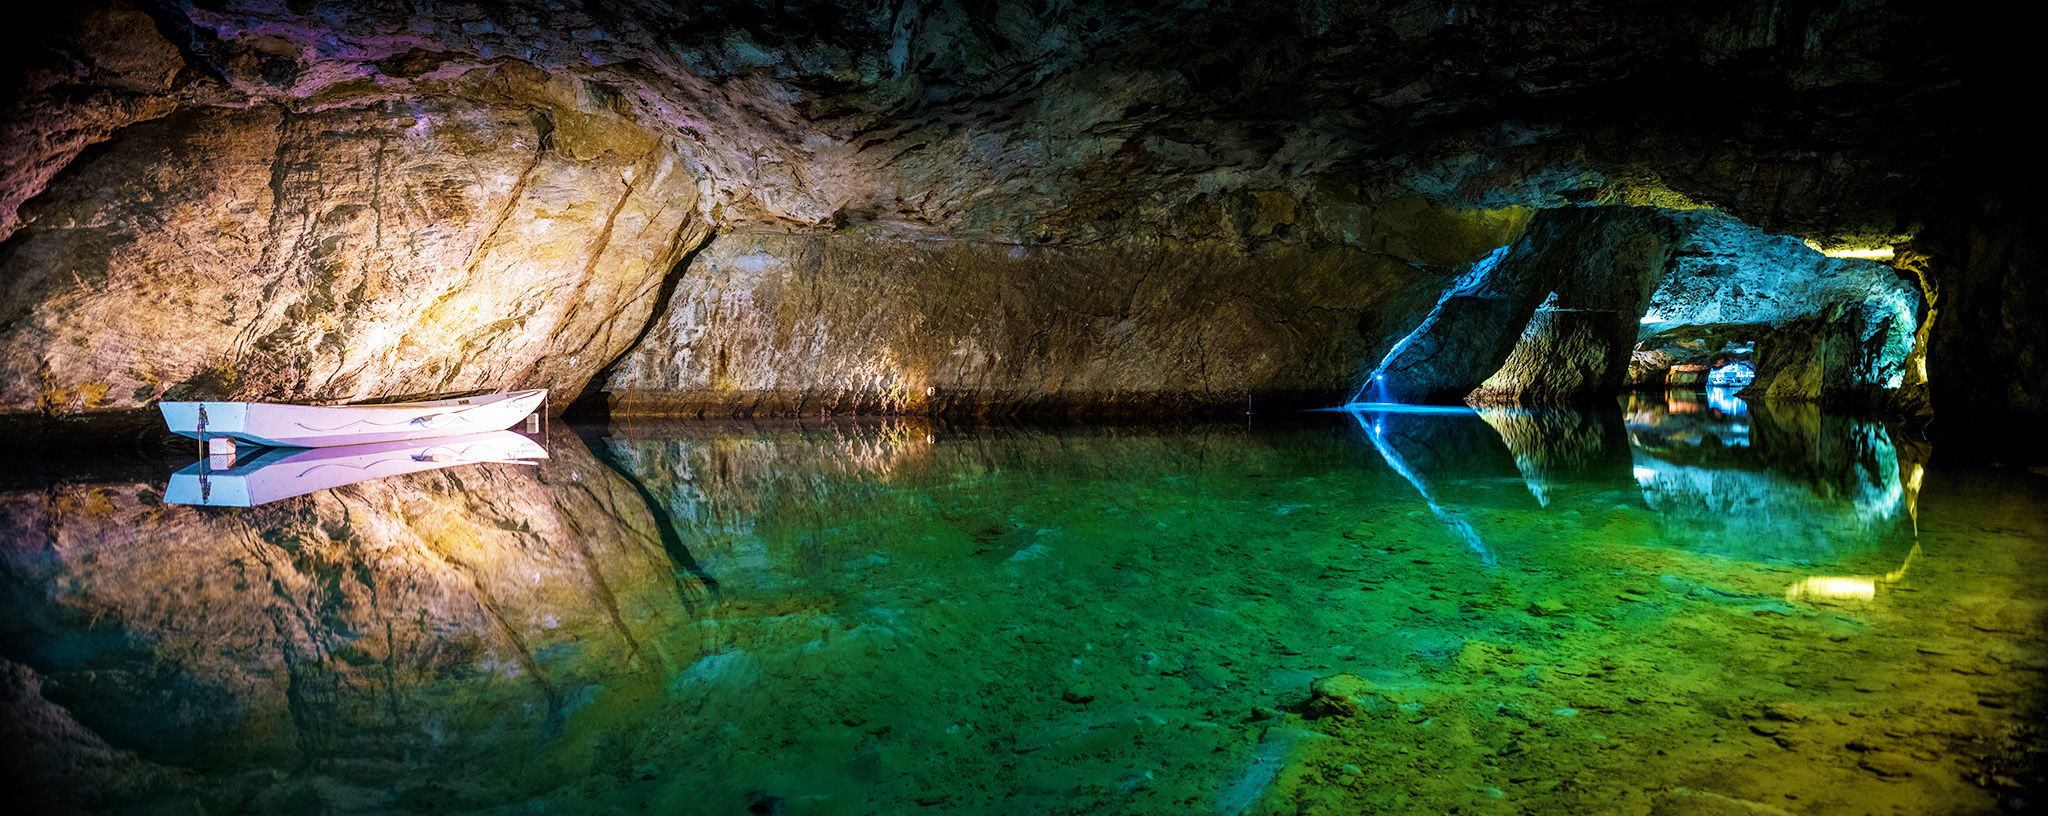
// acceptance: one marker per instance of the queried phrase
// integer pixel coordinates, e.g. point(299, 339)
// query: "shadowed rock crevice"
point(1986, 334)
point(590, 404)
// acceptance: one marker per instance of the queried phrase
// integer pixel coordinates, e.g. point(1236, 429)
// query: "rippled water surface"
point(1678, 606)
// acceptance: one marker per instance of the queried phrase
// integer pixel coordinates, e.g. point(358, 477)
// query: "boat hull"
point(323, 426)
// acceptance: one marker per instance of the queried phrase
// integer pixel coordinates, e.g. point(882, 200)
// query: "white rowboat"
point(326, 426)
point(285, 472)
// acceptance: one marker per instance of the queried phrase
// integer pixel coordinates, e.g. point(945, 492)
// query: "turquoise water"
point(1678, 606)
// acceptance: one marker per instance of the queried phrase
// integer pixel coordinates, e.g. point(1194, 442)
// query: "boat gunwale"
point(452, 402)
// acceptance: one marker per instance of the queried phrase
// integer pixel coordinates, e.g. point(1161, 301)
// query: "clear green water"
point(1674, 608)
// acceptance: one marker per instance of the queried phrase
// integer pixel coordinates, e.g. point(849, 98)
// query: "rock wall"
point(77, 77)
point(1828, 360)
point(1987, 351)
point(1838, 331)
point(768, 324)
point(509, 231)
point(1597, 263)
point(404, 199)
point(1562, 355)
point(1614, 280)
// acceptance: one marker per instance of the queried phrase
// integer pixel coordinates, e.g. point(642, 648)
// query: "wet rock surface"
point(1587, 285)
point(491, 235)
point(809, 325)
point(1160, 136)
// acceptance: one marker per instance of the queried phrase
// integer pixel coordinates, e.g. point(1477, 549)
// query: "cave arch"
point(1612, 297)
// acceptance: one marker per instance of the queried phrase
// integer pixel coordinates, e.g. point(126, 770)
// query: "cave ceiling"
point(1077, 122)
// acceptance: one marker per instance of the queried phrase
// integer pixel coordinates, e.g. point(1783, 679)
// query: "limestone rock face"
point(1832, 359)
point(1833, 330)
point(406, 198)
point(1597, 265)
point(1563, 354)
point(1463, 339)
point(99, 70)
point(1073, 120)
point(787, 325)
point(506, 232)
point(1658, 281)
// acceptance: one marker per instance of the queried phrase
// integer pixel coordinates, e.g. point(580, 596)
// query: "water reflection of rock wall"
point(494, 634)
point(890, 594)
point(1787, 483)
point(1553, 448)
point(381, 633)
point(732, 488)
point(1450, 457)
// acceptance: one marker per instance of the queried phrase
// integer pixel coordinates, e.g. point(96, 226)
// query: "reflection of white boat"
point(320, 426)
point(286, 472)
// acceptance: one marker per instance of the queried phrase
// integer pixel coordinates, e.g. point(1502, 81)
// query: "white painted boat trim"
point(318, 426)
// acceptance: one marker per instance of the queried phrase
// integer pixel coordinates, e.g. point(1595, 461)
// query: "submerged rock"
point(1339, 695)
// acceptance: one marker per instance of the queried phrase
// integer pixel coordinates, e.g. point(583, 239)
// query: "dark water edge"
point(1668, 607)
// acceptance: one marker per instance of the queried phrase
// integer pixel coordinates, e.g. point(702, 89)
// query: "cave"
point(1041, 406)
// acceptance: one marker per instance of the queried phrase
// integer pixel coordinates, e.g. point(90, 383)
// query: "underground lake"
point(1180, 407)
point(1679, 603)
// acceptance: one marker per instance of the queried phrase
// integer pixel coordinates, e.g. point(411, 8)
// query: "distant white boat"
point(323, 426)
point(282, 473)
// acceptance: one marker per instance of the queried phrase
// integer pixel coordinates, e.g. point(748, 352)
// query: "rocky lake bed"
point(1332, 615)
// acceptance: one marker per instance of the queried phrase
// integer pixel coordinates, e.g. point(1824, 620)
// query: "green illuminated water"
point(1678, 608)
